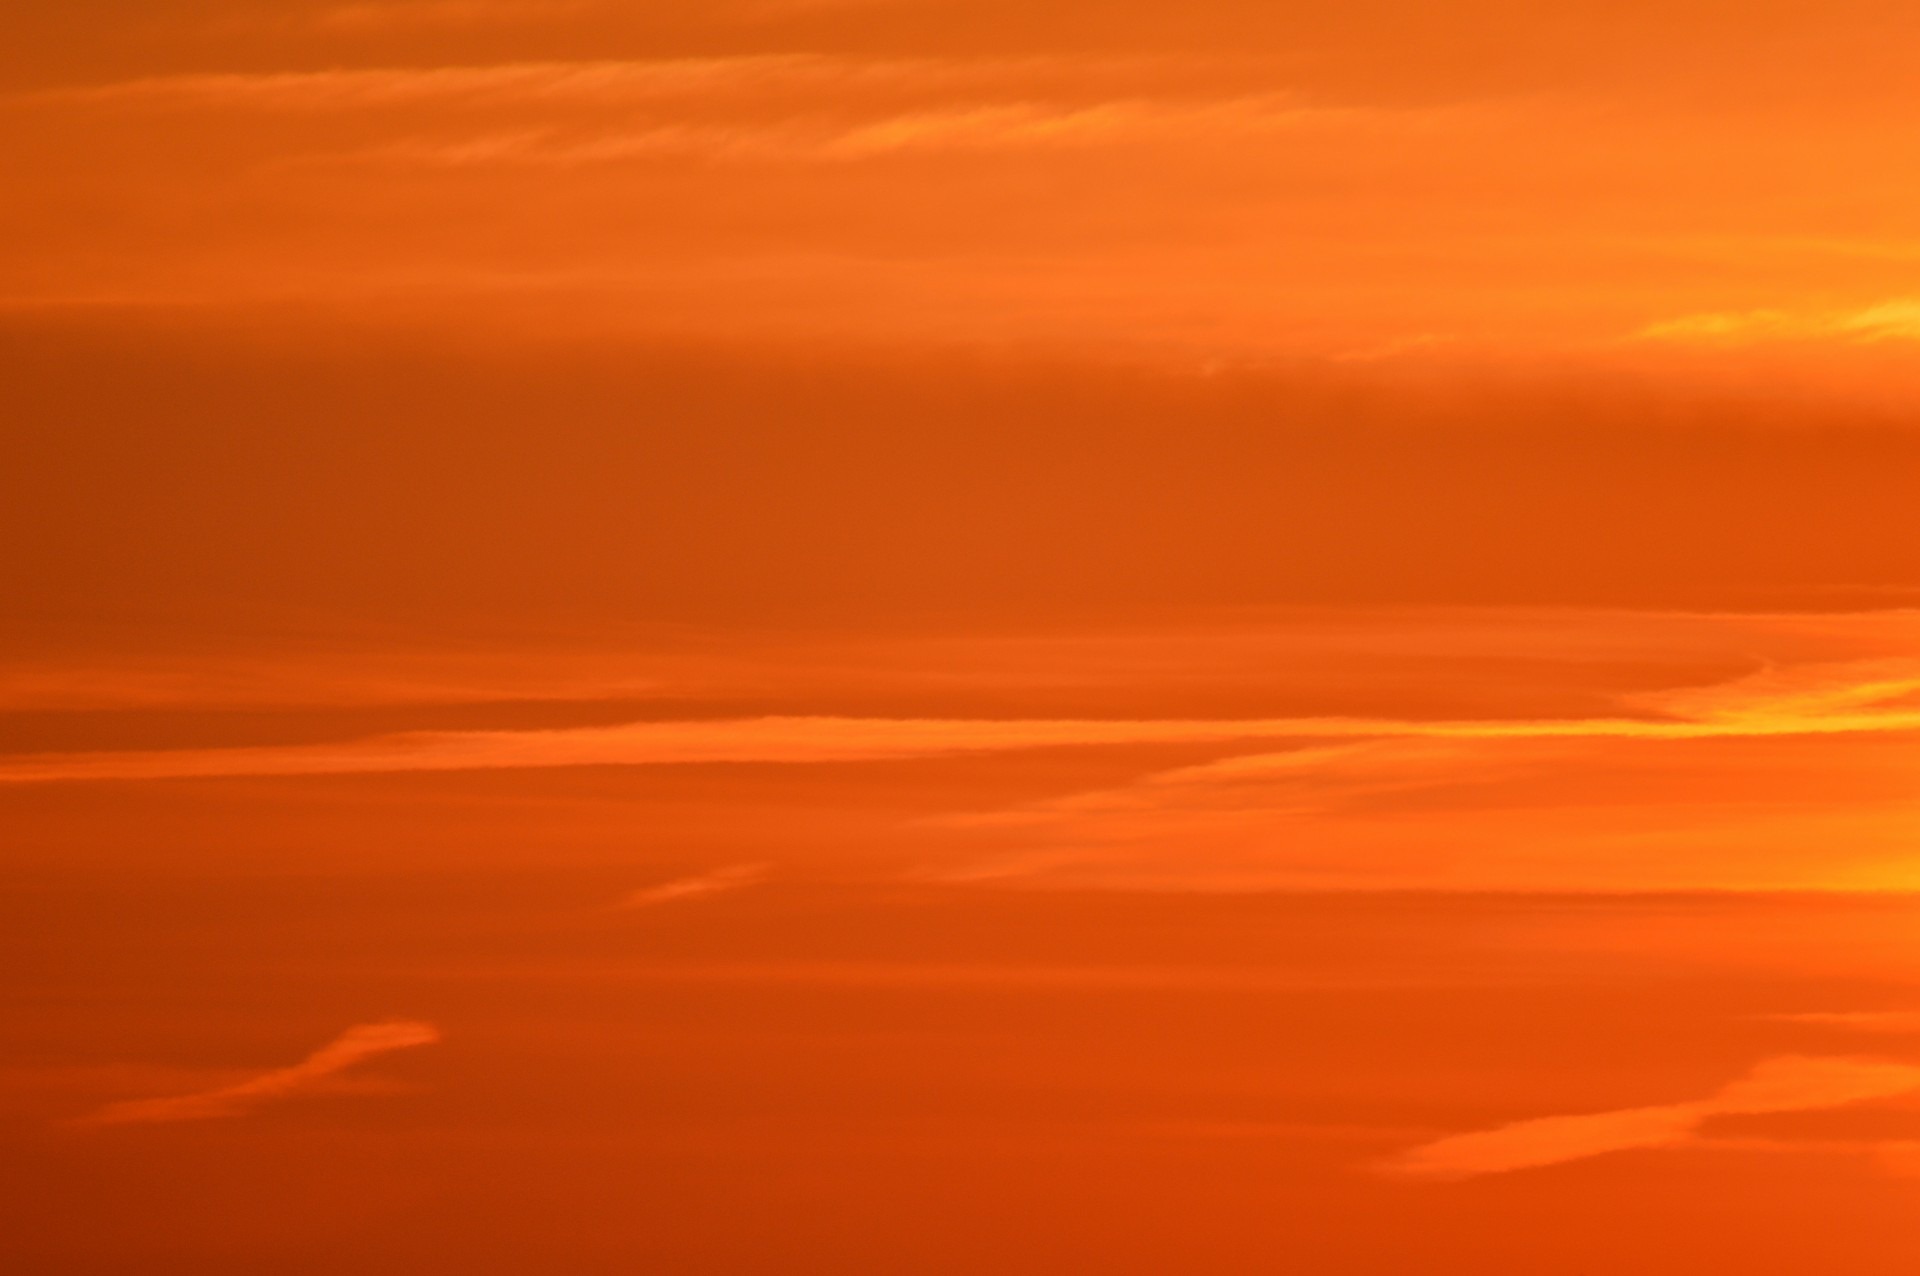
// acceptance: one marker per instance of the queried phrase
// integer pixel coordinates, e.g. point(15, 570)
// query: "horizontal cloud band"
point(832, 739)
point(1826, 707)
point(349, 1048)
point(1791, 1084)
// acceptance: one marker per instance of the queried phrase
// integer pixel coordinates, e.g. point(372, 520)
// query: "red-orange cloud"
point(1790, 1084)
point(348, 1049)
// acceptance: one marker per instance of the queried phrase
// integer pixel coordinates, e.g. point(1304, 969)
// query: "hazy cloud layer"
point(1895, 320)
point(918, 152)
point(1788, 1084)
point(312, 1073)
point(1788, 787)
point(763, 86)
point(730, 878)
point(1815, 702)
point(1481, 662)
point(1897, 1023)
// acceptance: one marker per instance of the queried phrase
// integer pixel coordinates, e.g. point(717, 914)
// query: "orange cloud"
point(987, 127)
point(431, 14)
point(782, 82)
point(1871, 701)
point(1286, 164)
point(592, 83)
point(1897, 320)
point(1887, 1022)
point(730, 878)
point(350, 1048)
point(1789, 1084)
point(1790, 785)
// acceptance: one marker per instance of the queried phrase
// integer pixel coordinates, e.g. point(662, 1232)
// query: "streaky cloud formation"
point(1879, 1022)
point(351, 1047)
point(1895, 320)
point(1786, 1084)
point(1870, 700)
point(959, 636)
point(452, 14)
point(590, 83)
point(1788, 788)
point(989, 127)
point(730, 878)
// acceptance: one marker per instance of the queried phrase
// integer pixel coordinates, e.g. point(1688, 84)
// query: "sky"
point(895, 635)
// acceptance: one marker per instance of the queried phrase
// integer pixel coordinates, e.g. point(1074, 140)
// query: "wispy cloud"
point(1789, 788)
point(770, 107)
point(592, 83)
point(342, 679)
point(408, 15)
point(773, 740)
point(613, 82)
point(1895, 320)
point(918, 974)
point(312, 1073)
point(1026, 125)
point(1824, 701)
point(1787, 1084)
point(976, 128)
point(731, 878)
point(1877, 1022)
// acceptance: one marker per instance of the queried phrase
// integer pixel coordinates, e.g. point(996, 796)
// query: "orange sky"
point(891, 636)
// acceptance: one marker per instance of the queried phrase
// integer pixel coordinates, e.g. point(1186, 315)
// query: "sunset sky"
point(904, 636)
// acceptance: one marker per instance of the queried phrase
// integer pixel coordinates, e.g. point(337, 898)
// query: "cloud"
point(731, 878)
point(918, 974)
point(596, 83)
point(804, 137)
point(1301, 780)
point(765, 740)
point(1025, 125)
point(1887, 1022)
point(1787, 1084)
point(367, 679)
point(591, 83)
point(1895, 320)
point(414, 14)
point(349, 1048)
point(776, 107)
point(1843, 701)
point(1795, 779)
point(1485, 657)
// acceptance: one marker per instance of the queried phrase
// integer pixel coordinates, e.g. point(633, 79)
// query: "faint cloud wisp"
point(1896, 320)
point(363, 1041)
point(730, 878)
point(1856, 698)
point(1787, 1084)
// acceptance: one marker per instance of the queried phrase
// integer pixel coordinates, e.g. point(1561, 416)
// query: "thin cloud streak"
point(1818, 702)
point(1878, 1022)
point(356, 1044)
point(923, 974)
point(1787, 792)
point(731, 878)
point(1896, 320)
point(606, 82)
point(510, 82)
point(987, 127)
point(451, 14)
point(1787, 1084)
point(770, 107)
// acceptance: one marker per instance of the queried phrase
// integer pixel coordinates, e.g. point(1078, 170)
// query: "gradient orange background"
point(879, 636)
